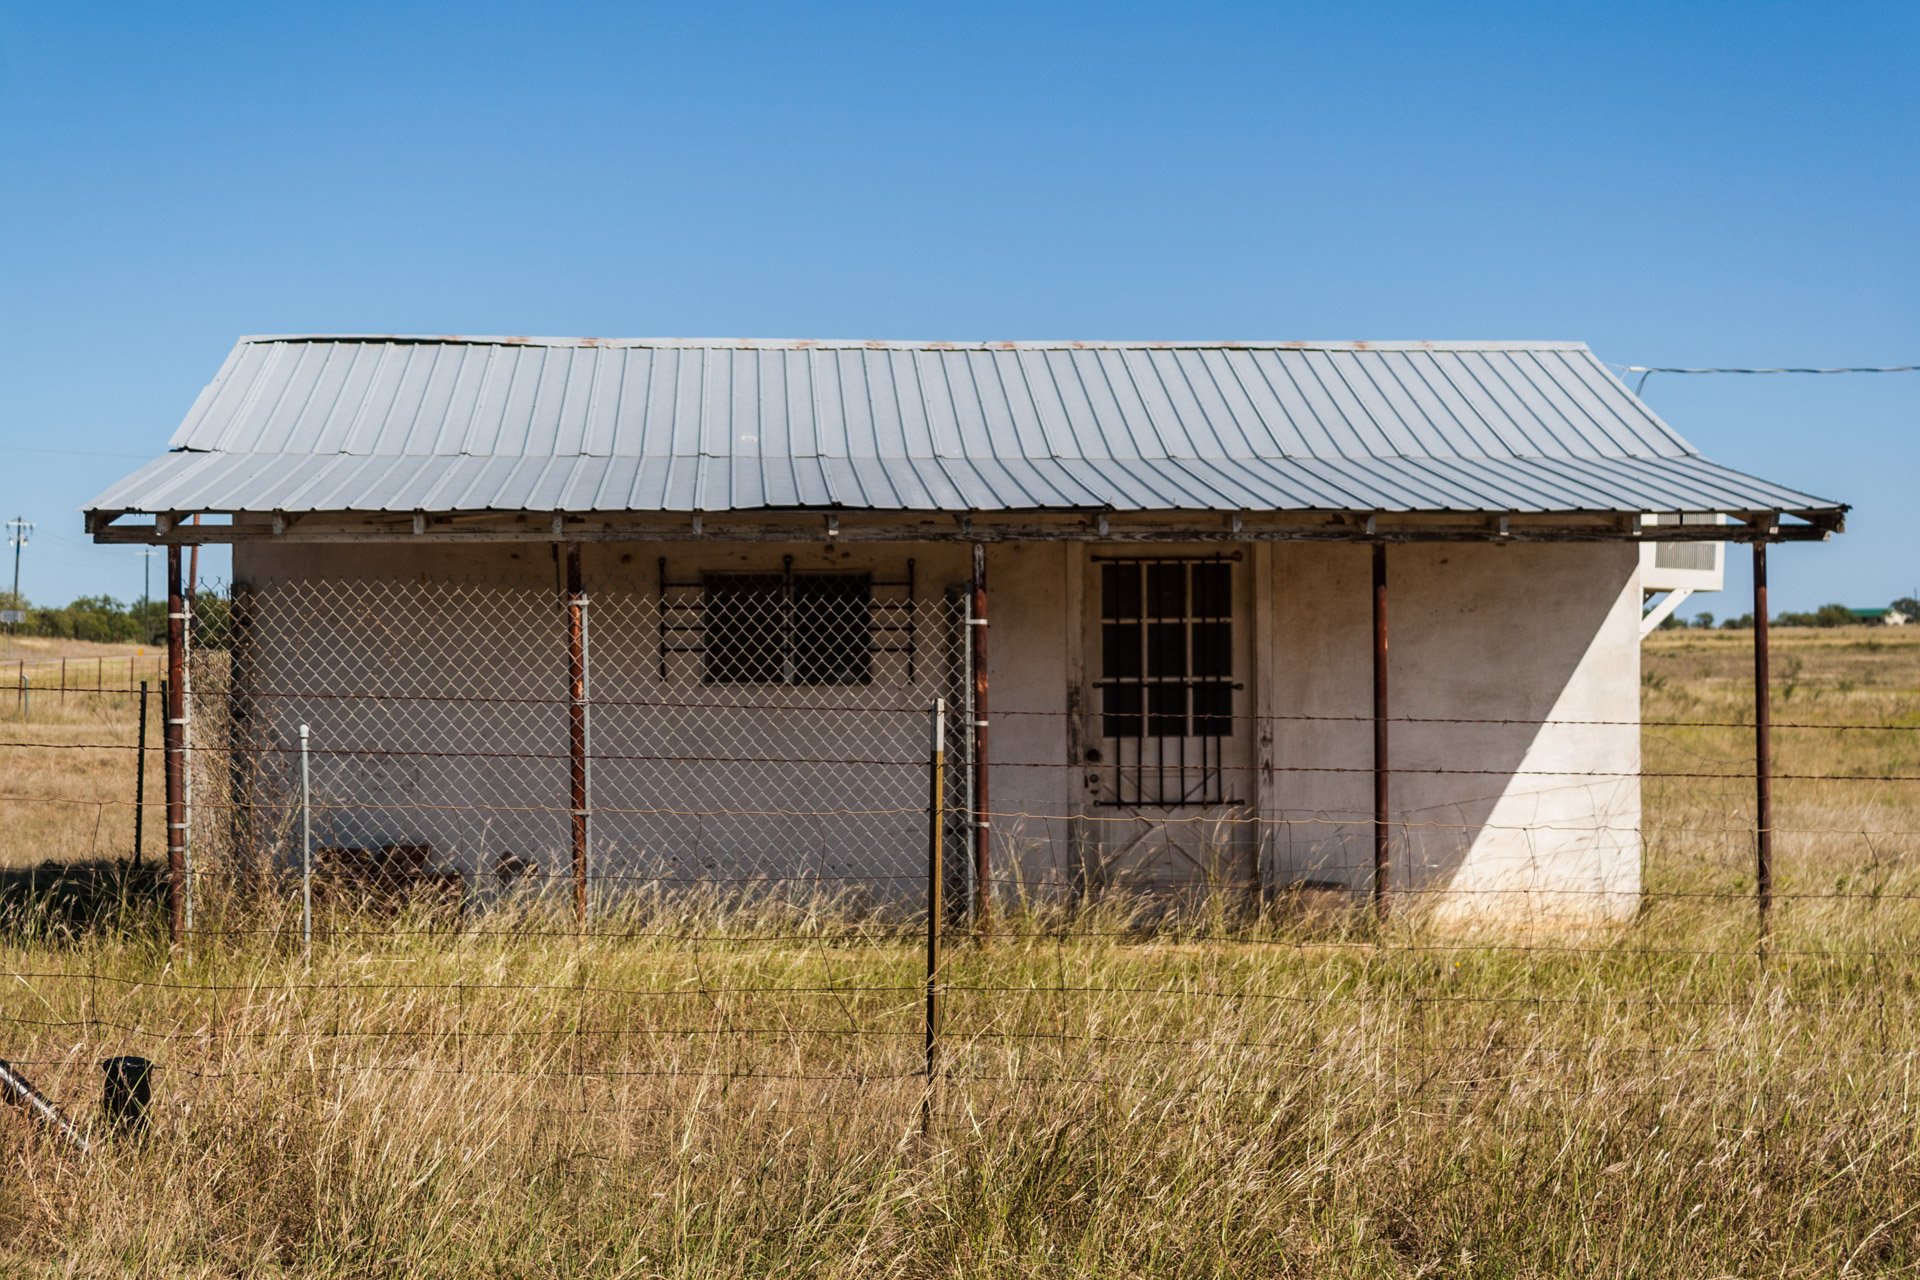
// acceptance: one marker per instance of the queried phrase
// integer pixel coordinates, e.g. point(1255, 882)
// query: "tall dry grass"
point(692, 1089)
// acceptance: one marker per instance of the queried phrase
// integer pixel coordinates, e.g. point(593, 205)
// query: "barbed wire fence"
point(748, 801)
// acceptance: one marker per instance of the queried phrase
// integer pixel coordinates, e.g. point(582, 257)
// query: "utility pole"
point(20, 529)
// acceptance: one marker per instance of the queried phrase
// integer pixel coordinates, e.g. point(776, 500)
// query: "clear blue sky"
point(1698, 184)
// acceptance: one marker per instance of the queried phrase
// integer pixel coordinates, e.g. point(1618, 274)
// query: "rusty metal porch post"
point(1762, 743)
point(173, 742)
point(577, 726)
point(1382, 869)
point(982, 823)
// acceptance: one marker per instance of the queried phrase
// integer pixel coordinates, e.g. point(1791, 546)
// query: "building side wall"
point(1500, 805)
point(1027, 650)
point(1514, 684)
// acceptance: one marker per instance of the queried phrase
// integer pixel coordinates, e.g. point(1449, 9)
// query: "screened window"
point(787, 628)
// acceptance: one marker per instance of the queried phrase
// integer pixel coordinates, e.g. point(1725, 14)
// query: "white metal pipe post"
point(186, 732)
point(982, 775)
point(965, 778)
point(306, 849)
point(175, 751)
point(936, 903)
point(18, 1090)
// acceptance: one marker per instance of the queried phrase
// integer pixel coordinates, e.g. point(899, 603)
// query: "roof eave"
point(1070, 524)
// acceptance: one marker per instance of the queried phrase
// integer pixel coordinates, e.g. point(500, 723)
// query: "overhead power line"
point(1888, 368)
point(1648, 370)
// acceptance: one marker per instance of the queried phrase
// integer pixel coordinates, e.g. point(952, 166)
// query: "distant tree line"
point(1827, 615)
point(104, 620)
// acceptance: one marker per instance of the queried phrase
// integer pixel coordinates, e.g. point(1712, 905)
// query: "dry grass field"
point(687, 1092)
point(68, 806)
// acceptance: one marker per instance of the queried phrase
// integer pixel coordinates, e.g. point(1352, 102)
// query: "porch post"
point(1266, 696)
point(982, 828)
point(936, 882)
point(1382, 878)
point(1762, 742)
point(173, 740)
point(577, 726)
point(189, 639)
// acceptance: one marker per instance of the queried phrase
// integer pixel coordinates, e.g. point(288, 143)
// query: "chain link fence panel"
point(746, 735)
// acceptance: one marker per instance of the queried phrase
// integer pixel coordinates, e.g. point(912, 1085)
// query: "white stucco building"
point(760, 561)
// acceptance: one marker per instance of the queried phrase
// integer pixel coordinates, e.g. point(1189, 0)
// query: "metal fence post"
point(1762, 743)
point(306, 849)
point(140, 780)
point(19, 1090)
point(187, 630)
point(1382, 865)
point(982, 823)
point(127, 1092)
point(578, 727)
point(174, 749)
point(936, 905)
point(963, 771)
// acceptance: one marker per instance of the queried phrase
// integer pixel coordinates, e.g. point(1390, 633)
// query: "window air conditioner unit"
point(1682, 566)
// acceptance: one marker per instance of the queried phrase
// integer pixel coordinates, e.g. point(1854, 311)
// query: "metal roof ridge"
point(864, 344)
point(997, 455)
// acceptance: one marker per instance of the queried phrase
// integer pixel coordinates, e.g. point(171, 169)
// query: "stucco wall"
point(1520, 640)
point(1501, 815)
point(454, 733)
point(1027, 667)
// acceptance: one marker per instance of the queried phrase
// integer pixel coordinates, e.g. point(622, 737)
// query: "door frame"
point(1259, 746)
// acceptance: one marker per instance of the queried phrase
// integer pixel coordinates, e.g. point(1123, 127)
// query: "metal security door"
point(1169, 779)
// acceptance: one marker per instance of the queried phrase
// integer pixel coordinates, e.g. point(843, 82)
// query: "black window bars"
point(788, 627)
point(1166, 679)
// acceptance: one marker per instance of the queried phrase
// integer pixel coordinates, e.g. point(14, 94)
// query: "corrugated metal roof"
point(522, 424)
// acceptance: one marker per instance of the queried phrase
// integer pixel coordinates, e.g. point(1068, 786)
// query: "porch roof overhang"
point(814, 525)
point(469, 439)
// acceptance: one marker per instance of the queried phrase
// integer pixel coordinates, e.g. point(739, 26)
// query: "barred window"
point(787, 628)
point(1166, 649)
